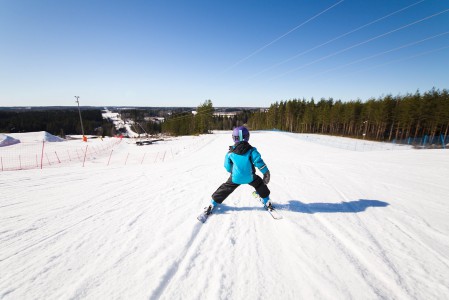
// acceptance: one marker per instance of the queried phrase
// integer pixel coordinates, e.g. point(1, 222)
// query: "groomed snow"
point(357, 225)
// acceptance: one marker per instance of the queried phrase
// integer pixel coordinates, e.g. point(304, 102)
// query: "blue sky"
point(233, 52)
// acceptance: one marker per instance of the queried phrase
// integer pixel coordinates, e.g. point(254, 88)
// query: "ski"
point(273, 212)
point(204, 215)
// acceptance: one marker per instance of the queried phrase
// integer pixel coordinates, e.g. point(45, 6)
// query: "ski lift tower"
point(81, 120)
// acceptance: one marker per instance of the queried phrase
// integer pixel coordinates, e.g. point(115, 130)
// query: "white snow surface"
point(356, 225)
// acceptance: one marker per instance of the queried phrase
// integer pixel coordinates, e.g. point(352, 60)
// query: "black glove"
point(266, 177)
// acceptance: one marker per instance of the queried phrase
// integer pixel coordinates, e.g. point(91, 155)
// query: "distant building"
point(155, 119)
point(228, 114)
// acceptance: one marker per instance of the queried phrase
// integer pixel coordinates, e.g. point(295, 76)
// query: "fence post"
point(42, 155)
point(143, 158)
point(126, 158)
point(85, 154)
point(57, 157)
point(20, 163)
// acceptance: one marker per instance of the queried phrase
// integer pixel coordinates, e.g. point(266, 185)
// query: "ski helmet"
point(240, 134)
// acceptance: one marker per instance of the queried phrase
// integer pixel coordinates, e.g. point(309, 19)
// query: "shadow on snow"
point(340, 207)
point(313, 208)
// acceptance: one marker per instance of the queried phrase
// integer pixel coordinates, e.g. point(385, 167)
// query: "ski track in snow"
point(356, 225)
point(350, 250)
point(173, 269)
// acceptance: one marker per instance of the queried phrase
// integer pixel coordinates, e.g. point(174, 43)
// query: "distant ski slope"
point(361, 225)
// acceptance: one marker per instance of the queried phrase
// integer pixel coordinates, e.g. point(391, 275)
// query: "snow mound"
point(7, 140)
point(51, 138)
point(29, 137)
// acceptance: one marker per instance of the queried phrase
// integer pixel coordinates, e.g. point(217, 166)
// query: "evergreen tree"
point(400, 117)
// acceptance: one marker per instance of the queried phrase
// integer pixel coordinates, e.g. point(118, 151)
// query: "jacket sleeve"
point(258, 161)
point(228, 162)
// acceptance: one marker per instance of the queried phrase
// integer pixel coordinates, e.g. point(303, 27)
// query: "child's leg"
point(224, 191)
point(261, 188)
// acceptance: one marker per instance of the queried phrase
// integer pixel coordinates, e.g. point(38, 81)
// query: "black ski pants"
point(228, 187)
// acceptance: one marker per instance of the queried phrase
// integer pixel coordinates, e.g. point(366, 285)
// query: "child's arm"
point(258, 161)
point(228, 163)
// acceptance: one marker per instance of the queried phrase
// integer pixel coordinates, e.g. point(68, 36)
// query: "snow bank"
point(29, 137)
point(7, 140)
point(347, 143)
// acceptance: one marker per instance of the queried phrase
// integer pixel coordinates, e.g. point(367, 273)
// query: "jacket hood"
point(240, 148)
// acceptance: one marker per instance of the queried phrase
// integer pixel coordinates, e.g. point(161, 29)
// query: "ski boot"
point(208, 209)
point(266, 201)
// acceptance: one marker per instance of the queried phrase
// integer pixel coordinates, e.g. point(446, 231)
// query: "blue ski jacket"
point(241, 161)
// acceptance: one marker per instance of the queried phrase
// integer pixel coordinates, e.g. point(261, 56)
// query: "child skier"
point(241, 161)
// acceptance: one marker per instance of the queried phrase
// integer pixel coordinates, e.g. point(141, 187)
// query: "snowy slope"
point(361, 225)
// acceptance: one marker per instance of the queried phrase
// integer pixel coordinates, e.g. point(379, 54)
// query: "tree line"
point(202, 121)
point(56, 122)
point(384, 119)
point(188, 123)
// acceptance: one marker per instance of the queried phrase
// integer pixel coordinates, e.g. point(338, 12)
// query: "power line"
point(358, 44)
point(277, 39)
point(404, 59)
point(334, 39)
point(392, 61)
point(379, 54)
